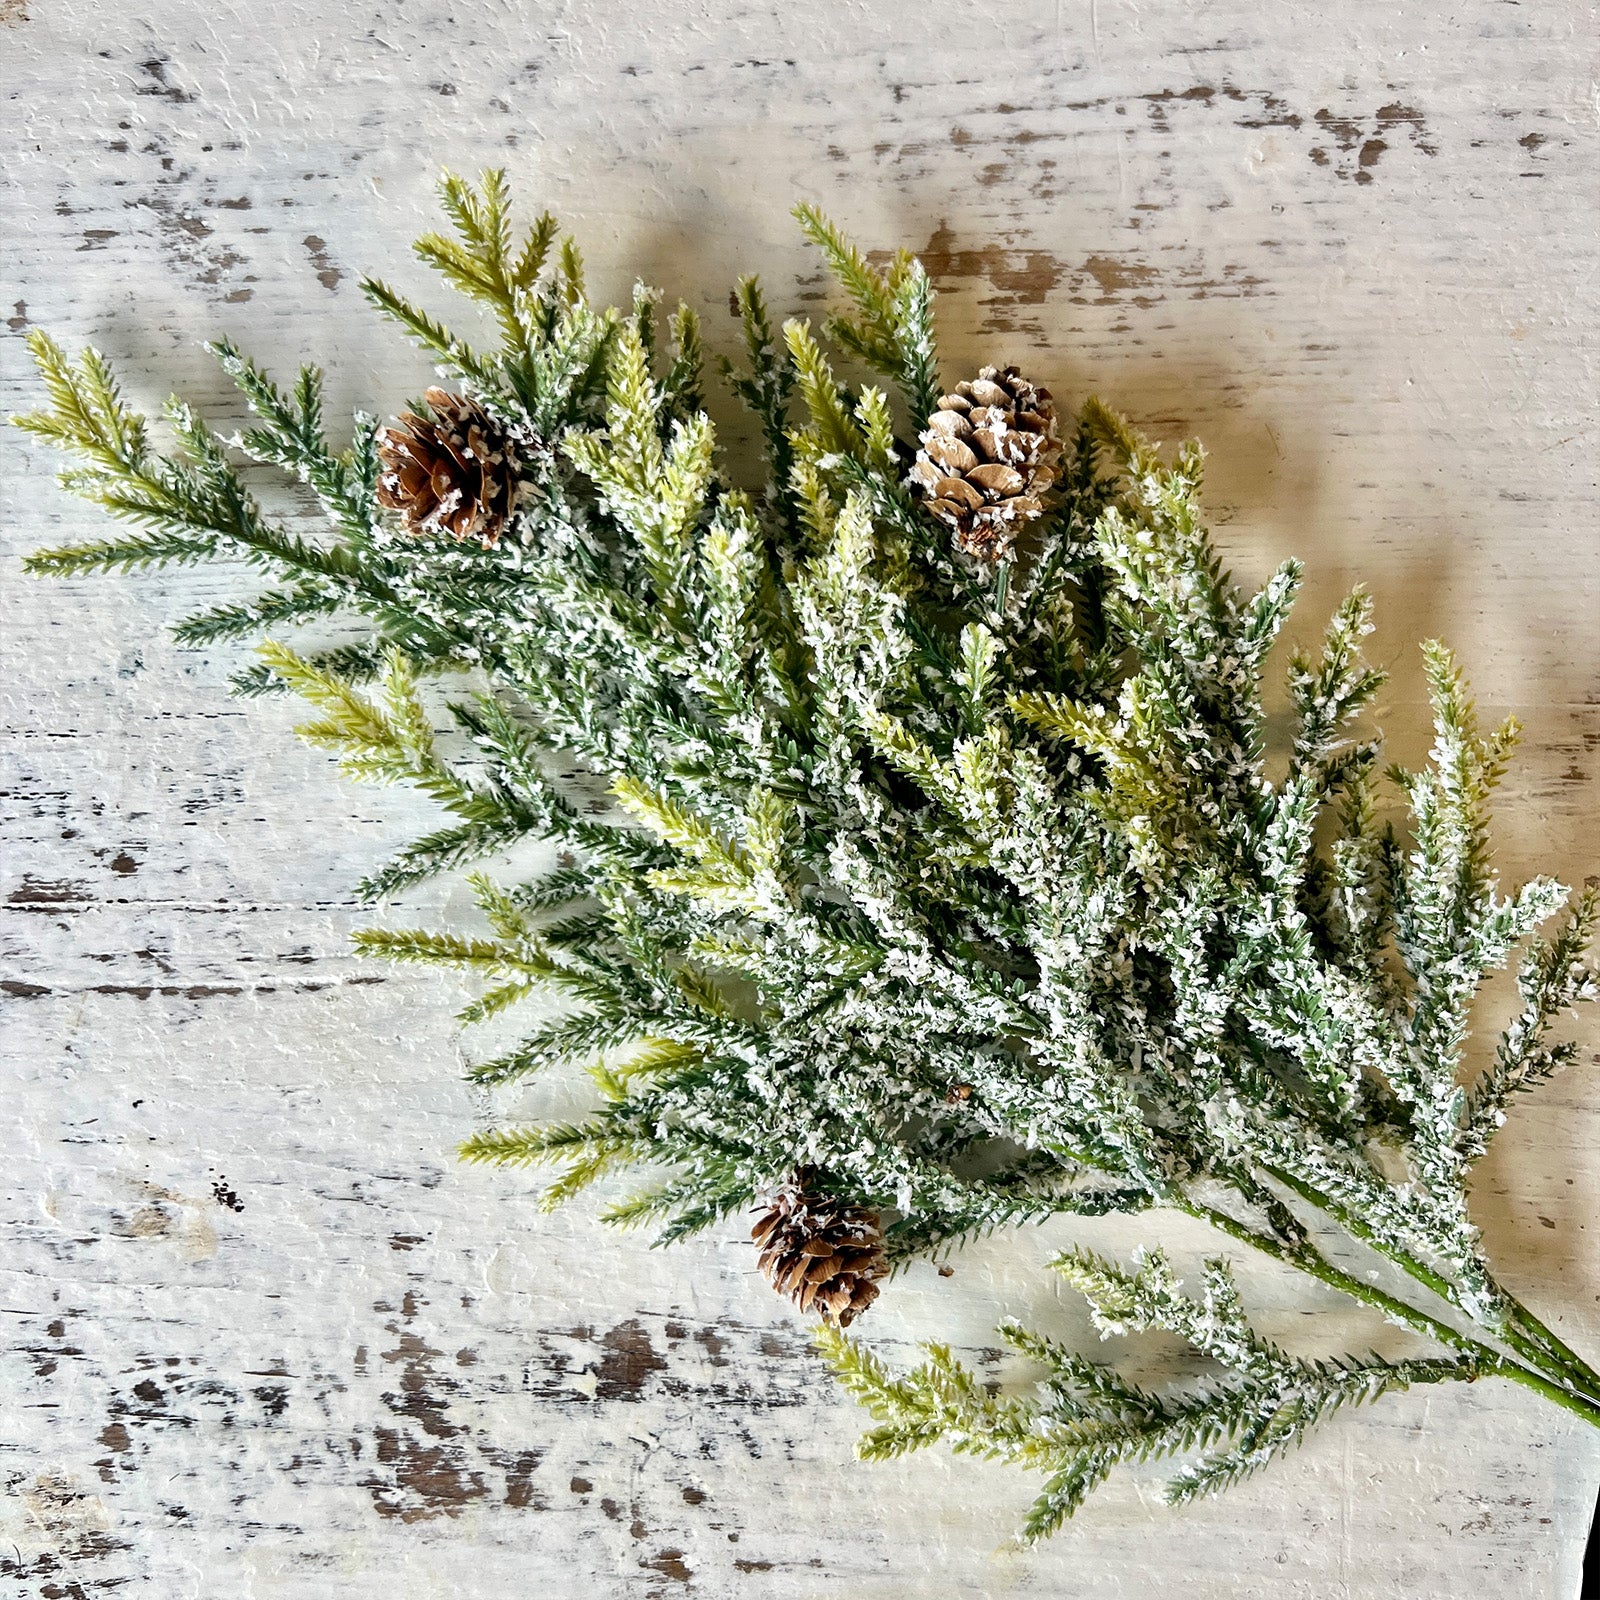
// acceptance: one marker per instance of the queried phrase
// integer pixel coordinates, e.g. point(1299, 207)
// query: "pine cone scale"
point(820, 1252)
point(453, 471)
point(988, 453)
point(951, 453)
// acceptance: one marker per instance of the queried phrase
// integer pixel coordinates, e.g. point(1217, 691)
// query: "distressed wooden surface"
point(264, 1338)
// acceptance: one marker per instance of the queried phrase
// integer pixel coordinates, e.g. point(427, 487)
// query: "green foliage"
point(892, 329)
point(191, 502)
point(972, 888)
point(1084, 1420)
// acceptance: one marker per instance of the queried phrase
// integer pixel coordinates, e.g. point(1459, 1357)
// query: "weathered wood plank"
point(262, 1335)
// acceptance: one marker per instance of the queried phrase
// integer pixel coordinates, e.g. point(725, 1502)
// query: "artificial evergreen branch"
point(919, 859)
point(1086, 1420)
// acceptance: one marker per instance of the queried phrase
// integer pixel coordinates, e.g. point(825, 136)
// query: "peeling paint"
point(262, 1332)
point(328, 275)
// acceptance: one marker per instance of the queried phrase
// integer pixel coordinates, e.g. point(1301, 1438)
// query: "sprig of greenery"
point(1084, 1420)
point(984, 892)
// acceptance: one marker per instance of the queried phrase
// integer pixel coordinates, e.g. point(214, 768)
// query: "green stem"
point(1308, 1259)
point(1532, 1340)
point(1002, 586)
point(1579, 1405)
point(1541, 1356)
point(1582, 1375)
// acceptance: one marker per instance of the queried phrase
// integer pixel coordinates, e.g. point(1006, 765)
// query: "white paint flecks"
point(263, 1337)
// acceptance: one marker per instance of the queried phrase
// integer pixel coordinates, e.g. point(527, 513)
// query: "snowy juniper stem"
point(945, 860)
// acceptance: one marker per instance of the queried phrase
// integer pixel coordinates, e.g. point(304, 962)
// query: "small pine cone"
point(989, 452)
point(453, 471)
point(823, 1253)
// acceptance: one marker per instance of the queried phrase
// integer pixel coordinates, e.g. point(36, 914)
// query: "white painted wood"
point(264, 1338)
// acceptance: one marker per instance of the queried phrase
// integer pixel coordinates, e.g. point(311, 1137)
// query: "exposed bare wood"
point(263, 1335)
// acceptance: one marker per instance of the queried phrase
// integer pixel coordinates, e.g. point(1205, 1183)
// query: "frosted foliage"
point(959, 883)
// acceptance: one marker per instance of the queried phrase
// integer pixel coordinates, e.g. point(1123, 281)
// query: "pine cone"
point(989, 452)
point(453, 471)
point(821, 1252)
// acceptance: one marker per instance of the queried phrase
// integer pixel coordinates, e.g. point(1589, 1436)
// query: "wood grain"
point(263, 1337)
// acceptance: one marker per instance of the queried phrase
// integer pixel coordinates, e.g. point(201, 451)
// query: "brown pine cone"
point(451, 472)
point(989, 452)
point(823, 1253)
